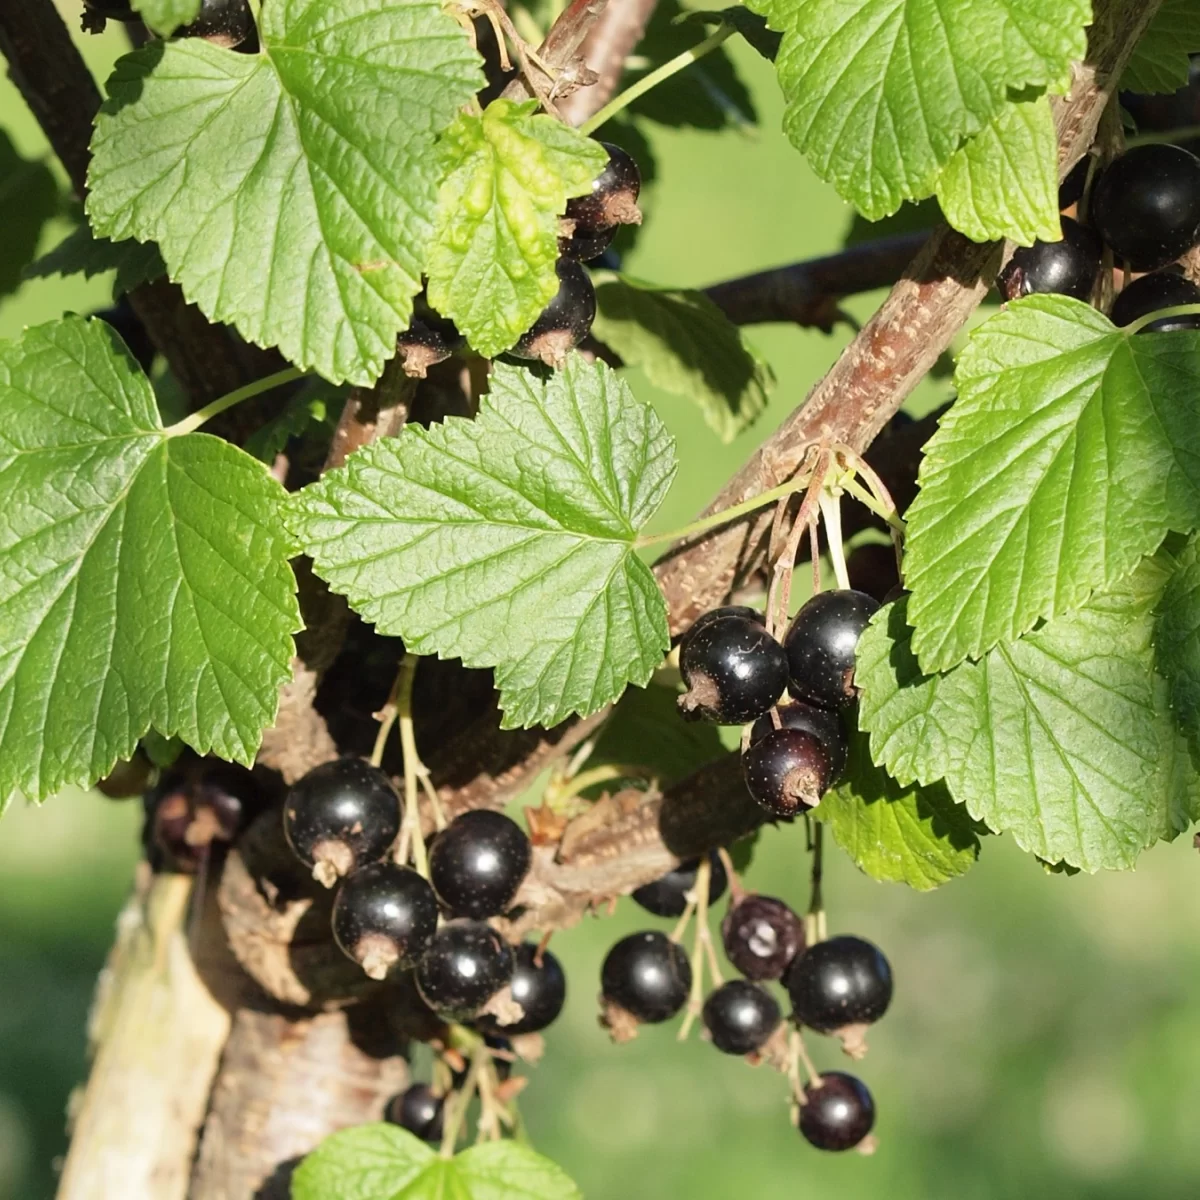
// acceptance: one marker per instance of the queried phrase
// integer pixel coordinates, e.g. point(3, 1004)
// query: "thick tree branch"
point(607, 46)
point(560, 50)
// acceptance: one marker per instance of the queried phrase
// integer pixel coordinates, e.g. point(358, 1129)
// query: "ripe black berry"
point(837, 1112)
point(192, 815)
point(225, 23)
point(1070, 191)
point(538, 986)
point(565, 321)
point(717, 614)
point(466, 964)
point(648, 976)
point(341, 816)
point(667, 897)
point(1068, 267)
point(1146, 205)
point(822, 723)
point(761, 936)
point(733, 668)
point(427, 341)
point(384, 917)
point(788, 771)
point(587, 247)
point(1150, 293)
point(613, 198)
point(872, 569)
point(478, 862)
point(840, 982)
point(740, 1016)
point(419, 1110)
point(821, 644)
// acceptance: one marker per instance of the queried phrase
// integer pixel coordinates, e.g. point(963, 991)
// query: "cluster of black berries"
point(228, 23)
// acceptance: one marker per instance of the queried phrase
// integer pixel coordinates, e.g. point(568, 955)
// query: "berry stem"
point(814, 920)
point(831, 514)
point(875, 504)
point(779, 594)
point(413, 767)
point(558, 795)
point(193, 422)
point(1184, 133)
point(460, 1101)
point(1178, 310)
point(797, 1057)
point(702, 950)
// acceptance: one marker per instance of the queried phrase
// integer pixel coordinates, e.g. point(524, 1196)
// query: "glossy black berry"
point(341, 816)
point(648, 976)
point(740, 1016)
point(1068, 267)
point(1150, 293)
point(587, 247)
point(762, 936)
point(225, 23)
point(821, 644)
point(788, 771)
point(613, 198)
point(565, 321)
point(1071, 190)
point(837, 1112)
point(717, 614)
point(872, 569)
point(419, 1110)
point(427, 341)
point(1146, 205)
point(466, 964)
point(384, 917)
point(478, 862)
point(538, 986)
point(822, 723)
point(667, 896)
point(734, 671)
point(839, 982)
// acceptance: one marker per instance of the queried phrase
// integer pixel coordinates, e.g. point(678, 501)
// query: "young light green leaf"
point(1071, 451)
point(512, 1171)
point(165, 16)
point(1159, 62)
point(686, 346)
point(309, 407)
point(143, 578)
point(1178, 637)
point(509, 174)
point(508, 541)
point(291, 192)
point(882, 93)
point(82, 253)
point(1004, 182)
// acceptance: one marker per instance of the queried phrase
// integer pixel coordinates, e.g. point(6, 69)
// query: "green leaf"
point(508, 540)
point(686, 346)
point(1178, 637)
point(1159, 62)
point(1004, 182)
point(165, 16)
point(897, 834)
point(28, 199)
point(509, 174)
point(143, 578)
point(882, 93)
point(1073, 448)
point(82, 253)
point(291, 192)
point(308, 407)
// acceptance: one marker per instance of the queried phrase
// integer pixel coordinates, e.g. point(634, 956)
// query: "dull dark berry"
point(761, 936)
point(613, 198)
point(565, 321)
point(667, 896)
point(1150, 293)
point(419, 1110)
point(466, 964)
point(648, 976)
point(734, 671)
point(740, 1016)
point(821, 644)
point(822, 723)
point(538, 986)
point(194, 814)
point(1068, 267)
point(1070, 191)
point(478, 862)
point(225, 23)
point(427, 341)
point(872, 570)
point(587, 247)
point(788, 771)
point(840, 982)
point(1146, 205)
point(837, 1112)
point(341, 816)
point(384, 917)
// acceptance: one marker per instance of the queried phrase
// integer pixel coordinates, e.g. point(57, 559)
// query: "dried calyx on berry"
point(840, 986)
point(740, 1016)
point(420, 1110)
point(667, 895)
point(1152, 293)
point(644, 980)
point(788, 771)
point(734, 670)
point(226, 23)
point(538, 986)
point(823, 723)
point(477, 863)
point(429, 339)
point(821, 644)
point(384, 918)
point(838, 1112)
point(762, 936)
point(1068, 267)
point(565, 321)
point(613, 198)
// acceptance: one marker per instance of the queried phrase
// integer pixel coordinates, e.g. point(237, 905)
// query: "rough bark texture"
point(605, 49)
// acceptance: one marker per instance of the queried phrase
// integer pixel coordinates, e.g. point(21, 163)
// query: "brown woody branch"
point(560, 50)
point(607, 46)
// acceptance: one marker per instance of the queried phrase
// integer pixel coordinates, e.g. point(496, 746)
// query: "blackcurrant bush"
point(341, 816)
point(821, 644)
point(837, 1112)
point(667, 897)
point(565, 321)
point(1150, 293)
point(788, 771)
point(478, 862)
point(225, 23)
point(1068, 267)
point(734, 671)
point(587, 247)
point(1146, 205)
point(822, 723)
point(840, 982)
point(419, 1110)
point(538, 986)
point(648, 976)
point(761, 936)
point(613, 198)
point(384, 917)
point(466, 964)
point(740, 1016)
point(427, 341)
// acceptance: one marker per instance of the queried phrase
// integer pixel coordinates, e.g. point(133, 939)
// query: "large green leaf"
point(508, 540)
point(82, 253)
point(1178, 637)
point(1072, 449)
point(165, 16)
point(1159, 62)
point(143, 578)
point(291, 192)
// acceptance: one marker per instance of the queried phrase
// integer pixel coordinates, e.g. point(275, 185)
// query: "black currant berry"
point(837, 1112)
point(648, 976)
point(761, 936)
point(419, 1110)
point(821, 644)
point(822, 723)
point(341, 816)
point(667, 897)
point(191, 816)
point(587, 247)
point(225, 23)
point(717, 614)
point(1070, 191)
point(1150, 293)
point(538, 986)
point(1146, 205)
point(384, 917)
point(565, 321)
point(613, 198)
point(872, 569)
point(788, 771)
point(466, 964)
point(733, 668)
point(840, 982)
point(740, 1016)
point(427, 341)
point(478, 862)
point(1068, 267)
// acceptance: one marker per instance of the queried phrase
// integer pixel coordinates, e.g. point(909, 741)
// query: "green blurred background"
point(1043, 1037)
